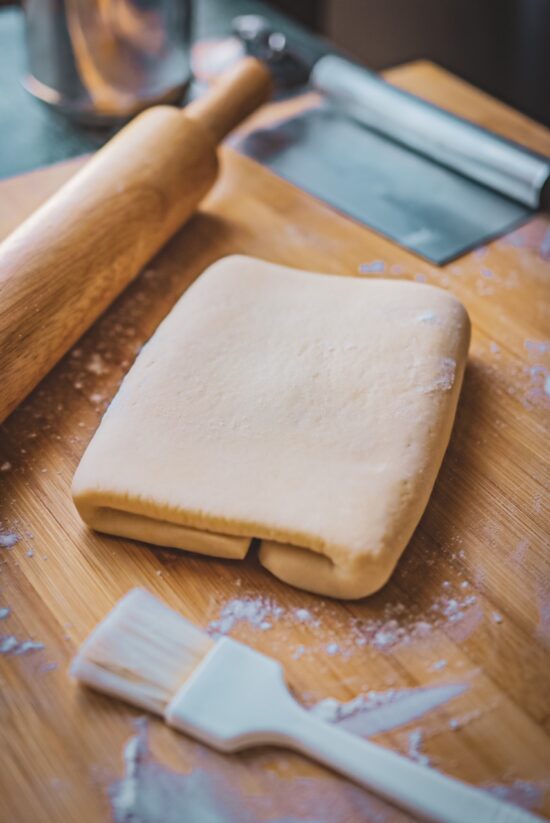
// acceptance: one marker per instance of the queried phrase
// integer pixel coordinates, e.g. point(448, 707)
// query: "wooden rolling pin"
point(64, 265)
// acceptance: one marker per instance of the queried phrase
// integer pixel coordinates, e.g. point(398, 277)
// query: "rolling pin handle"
point(236, 95)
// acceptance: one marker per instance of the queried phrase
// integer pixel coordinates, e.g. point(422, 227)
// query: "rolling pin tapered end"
point(237, 93)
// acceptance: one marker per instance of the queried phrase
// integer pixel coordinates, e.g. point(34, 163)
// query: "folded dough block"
point(310, 411)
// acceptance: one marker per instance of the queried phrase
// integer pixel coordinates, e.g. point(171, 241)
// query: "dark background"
point(502, 46)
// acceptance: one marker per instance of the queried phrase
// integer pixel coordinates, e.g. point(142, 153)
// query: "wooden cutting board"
point(469, 604)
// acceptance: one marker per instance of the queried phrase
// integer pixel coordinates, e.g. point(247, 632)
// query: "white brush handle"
point(416, 788)
point(237, 698)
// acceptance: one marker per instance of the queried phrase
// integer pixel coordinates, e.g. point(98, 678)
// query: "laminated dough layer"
point(310, 411)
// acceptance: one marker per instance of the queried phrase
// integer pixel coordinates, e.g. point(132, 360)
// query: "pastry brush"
point(231, 697)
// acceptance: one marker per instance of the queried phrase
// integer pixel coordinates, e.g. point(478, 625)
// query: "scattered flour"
point(429, 317)
point(519, 552)
point(11, 645)
point(256, 611)
point(96, 364)
point(444, 379)
point(537, 385)
point(374, 267)
point(4, 612)
point(523, 793)
point(453, 608)
point(29, 646)
point(8, 540)
point(298, 652)
point(6, 466)
point(538, 346)
point(416, 739)
point(8, 644)
point(528, 382)
point(217, 790)
point(394, 625)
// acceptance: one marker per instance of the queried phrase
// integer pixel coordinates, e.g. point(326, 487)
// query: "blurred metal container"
point(101, 61)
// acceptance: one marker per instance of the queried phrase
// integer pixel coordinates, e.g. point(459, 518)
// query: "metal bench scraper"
point(432, 182)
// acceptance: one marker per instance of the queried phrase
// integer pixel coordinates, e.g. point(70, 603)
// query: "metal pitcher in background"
point(101, 61)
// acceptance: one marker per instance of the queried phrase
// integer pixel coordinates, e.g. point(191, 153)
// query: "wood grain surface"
point(469, 603)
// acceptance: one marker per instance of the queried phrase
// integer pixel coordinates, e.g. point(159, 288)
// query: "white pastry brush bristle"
point(142, 652)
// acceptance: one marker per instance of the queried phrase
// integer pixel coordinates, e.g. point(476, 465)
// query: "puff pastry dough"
point(310, 411)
